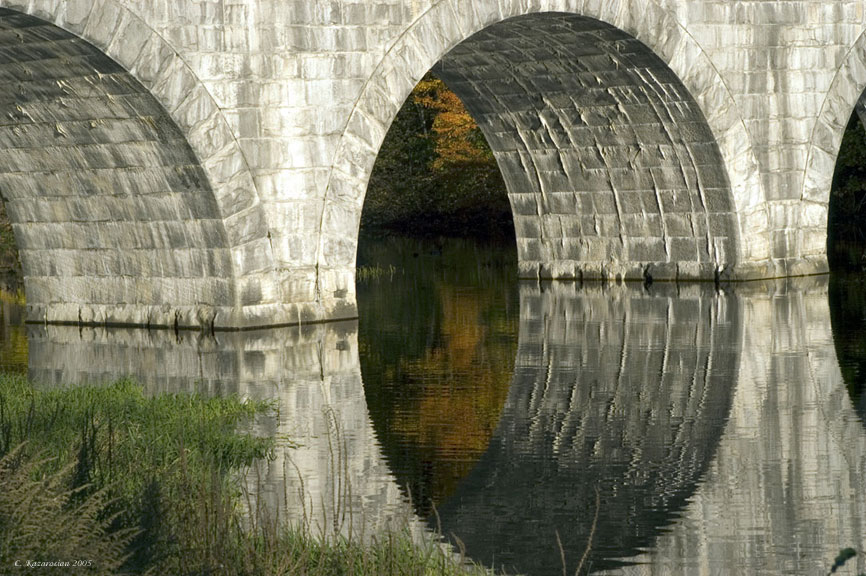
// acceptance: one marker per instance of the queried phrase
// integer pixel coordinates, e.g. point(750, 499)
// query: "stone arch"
point(446, 24)
point(107, 34)
point(847, 88)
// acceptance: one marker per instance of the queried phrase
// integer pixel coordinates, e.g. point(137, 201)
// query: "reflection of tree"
point(438, 365)
point(13, 336)
point(848, 318)
point(463, 384)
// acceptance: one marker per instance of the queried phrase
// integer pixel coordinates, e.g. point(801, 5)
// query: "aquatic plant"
point(375, 272)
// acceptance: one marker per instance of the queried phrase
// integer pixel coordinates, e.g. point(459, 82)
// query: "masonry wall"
point(288, 102)
point(611, 168)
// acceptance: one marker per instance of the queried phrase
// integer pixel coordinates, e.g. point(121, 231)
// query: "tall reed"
point(151, 485)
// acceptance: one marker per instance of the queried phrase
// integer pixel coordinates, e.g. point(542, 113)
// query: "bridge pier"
point(198, 164)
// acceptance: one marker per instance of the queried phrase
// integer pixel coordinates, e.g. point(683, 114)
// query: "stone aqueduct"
point(204, 162)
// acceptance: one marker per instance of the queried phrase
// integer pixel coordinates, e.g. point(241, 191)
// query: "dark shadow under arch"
point(846, 211)
point(435, 175)
point(847, 299)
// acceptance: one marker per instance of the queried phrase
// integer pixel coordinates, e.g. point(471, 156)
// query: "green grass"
point(152, 485)
point(121, 432)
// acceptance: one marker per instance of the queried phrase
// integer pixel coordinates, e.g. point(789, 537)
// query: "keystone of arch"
point(128, 40)
point(448, 22)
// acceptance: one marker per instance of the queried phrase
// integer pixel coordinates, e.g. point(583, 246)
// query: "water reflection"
point(438, 336)
point(848, 316)
point(13, 337)
point(312, 373)
point(620, 390)
point(787, 487)
point(718, 426)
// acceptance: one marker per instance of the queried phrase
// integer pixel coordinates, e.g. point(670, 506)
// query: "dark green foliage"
point(44, 519)
point(115, 432)
point(846, 234)
point(435, 176)
point(140, 465)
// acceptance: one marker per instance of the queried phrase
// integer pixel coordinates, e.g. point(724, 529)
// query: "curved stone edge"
point(847, 87)
point(449, 22)
point(127, 39)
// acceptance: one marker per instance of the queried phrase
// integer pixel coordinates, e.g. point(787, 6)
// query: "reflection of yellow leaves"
point(464, 388)
point(13, 338)
point(14, 298)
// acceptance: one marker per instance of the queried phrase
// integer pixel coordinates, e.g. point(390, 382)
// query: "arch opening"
point(435, 175)
point(594, 401)
point(846, 253)
point(610, 166)
point(113, 215)
point(846, 209)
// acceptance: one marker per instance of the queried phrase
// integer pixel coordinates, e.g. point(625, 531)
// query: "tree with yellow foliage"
point(435, 174)
point(456, 137)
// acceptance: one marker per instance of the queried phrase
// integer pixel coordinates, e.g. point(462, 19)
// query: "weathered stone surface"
point(593, 124)
point(676, 135)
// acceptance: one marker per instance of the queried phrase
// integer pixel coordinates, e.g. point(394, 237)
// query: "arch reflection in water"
point(618, 390)
point(848, 316)
point(328, 463)
point(787, 488)
point(718, 425)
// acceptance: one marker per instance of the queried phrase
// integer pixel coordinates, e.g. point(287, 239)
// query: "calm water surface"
point(684, 429)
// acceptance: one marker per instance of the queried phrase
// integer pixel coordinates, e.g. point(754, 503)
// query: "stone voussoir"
point(664, 139)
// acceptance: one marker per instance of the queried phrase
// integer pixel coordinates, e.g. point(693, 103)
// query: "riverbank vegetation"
point(122, 483)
